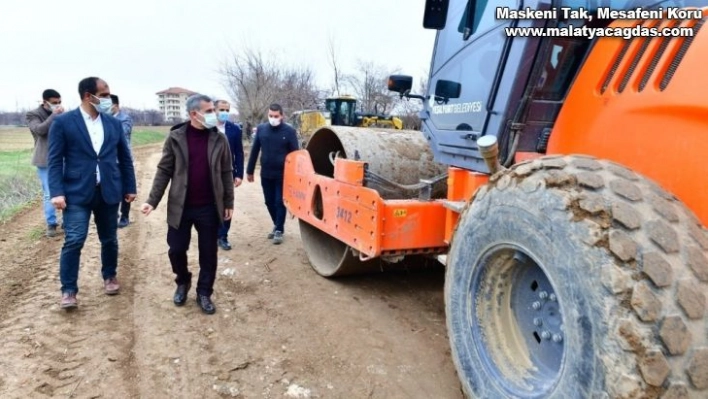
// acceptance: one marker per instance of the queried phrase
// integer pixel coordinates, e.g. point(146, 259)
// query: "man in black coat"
point(276, 140)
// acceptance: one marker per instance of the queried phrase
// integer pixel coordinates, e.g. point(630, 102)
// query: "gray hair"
point(194, 102)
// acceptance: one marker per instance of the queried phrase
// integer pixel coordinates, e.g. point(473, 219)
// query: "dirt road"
point(280, 330)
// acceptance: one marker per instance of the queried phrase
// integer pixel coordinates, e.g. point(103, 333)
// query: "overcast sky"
point(143, 46)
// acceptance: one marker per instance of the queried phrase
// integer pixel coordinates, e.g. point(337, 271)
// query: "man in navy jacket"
point(233, 135)
point(90, 171)
point(275, 140)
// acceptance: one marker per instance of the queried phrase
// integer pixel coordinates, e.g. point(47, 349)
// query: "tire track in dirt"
point(279, 327)
point(162, 351)
point(47, 351)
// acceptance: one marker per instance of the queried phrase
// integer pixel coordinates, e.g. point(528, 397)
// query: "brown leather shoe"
point(68, 300)
point(111, 286)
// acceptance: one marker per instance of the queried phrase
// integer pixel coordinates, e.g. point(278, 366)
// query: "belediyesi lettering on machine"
point(602, 13)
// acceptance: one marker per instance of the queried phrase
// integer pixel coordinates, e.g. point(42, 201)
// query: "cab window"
point(560, 67)
point(449, 41)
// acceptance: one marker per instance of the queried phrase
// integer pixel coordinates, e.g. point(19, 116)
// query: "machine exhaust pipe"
point(489, 149)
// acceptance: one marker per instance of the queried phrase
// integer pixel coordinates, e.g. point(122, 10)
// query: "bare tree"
point(423, 85)
point(13, 118)
point(409, 109)
point(334, 63)
point(254, 81)
point(145, 117)
point(371, 88)
point(298, 89)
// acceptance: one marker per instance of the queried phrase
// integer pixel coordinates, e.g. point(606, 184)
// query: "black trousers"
point(273, 195)
point(205, 220)
point(125, 209)
point(224, 229)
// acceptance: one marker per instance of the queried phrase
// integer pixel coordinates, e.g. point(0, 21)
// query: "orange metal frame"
point(662, 134)
point(342, 207)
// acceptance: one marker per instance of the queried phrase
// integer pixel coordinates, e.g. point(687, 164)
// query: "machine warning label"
point(399, 213)
point(580, 14)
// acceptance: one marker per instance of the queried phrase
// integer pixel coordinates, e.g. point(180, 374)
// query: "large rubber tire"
point(607, 269)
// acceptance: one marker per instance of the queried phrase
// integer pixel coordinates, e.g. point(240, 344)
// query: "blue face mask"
point(223, 116)
point(104, 104)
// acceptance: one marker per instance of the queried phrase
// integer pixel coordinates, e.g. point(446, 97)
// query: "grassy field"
point(20, 138)
point(19, 184)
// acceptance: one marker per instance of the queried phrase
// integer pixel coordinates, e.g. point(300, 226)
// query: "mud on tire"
point(628, 267)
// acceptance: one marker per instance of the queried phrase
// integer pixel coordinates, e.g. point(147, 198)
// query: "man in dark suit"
point(90, 171)
point(127, 124)
point(233, 135)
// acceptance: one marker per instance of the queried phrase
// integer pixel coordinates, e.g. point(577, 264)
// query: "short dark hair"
point(276, 107)
point(50, 93)
point(88, 85)
point(114, 99)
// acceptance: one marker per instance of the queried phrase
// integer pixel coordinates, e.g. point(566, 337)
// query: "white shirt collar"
point(87, 116)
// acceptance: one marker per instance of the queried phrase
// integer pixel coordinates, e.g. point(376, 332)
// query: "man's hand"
point(237, 182)
point(59, 202)
point(228, 213)
point(146, 209)
point(130, 198)
point(58, 110)
point(249, 178)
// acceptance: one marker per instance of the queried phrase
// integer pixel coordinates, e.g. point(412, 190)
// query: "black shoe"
point(123, 222)
point(224, 244)
point(271, 235)
point(181, 294)
point(206, 304)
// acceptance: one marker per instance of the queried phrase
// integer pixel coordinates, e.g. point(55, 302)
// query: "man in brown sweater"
point(197, 161)
point(39, 120)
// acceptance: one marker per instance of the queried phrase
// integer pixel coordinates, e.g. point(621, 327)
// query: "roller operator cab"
point(484, 82)
point(564, 179)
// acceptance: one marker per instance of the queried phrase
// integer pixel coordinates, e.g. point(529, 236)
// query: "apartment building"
point(173, 103)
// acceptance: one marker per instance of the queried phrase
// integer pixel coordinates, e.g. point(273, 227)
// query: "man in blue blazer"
point(90, 171)
point(234, 137)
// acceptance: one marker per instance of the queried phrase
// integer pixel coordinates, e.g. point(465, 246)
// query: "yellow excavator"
point(306, 122)
point(339, 111)
point(343, 111)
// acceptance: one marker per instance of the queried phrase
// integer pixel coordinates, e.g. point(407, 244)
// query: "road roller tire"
point(330, 257)
point(400, 156)
point(571, 277)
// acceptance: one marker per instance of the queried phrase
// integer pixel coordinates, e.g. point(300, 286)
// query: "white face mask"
point(274, 121)
point(209, 120)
